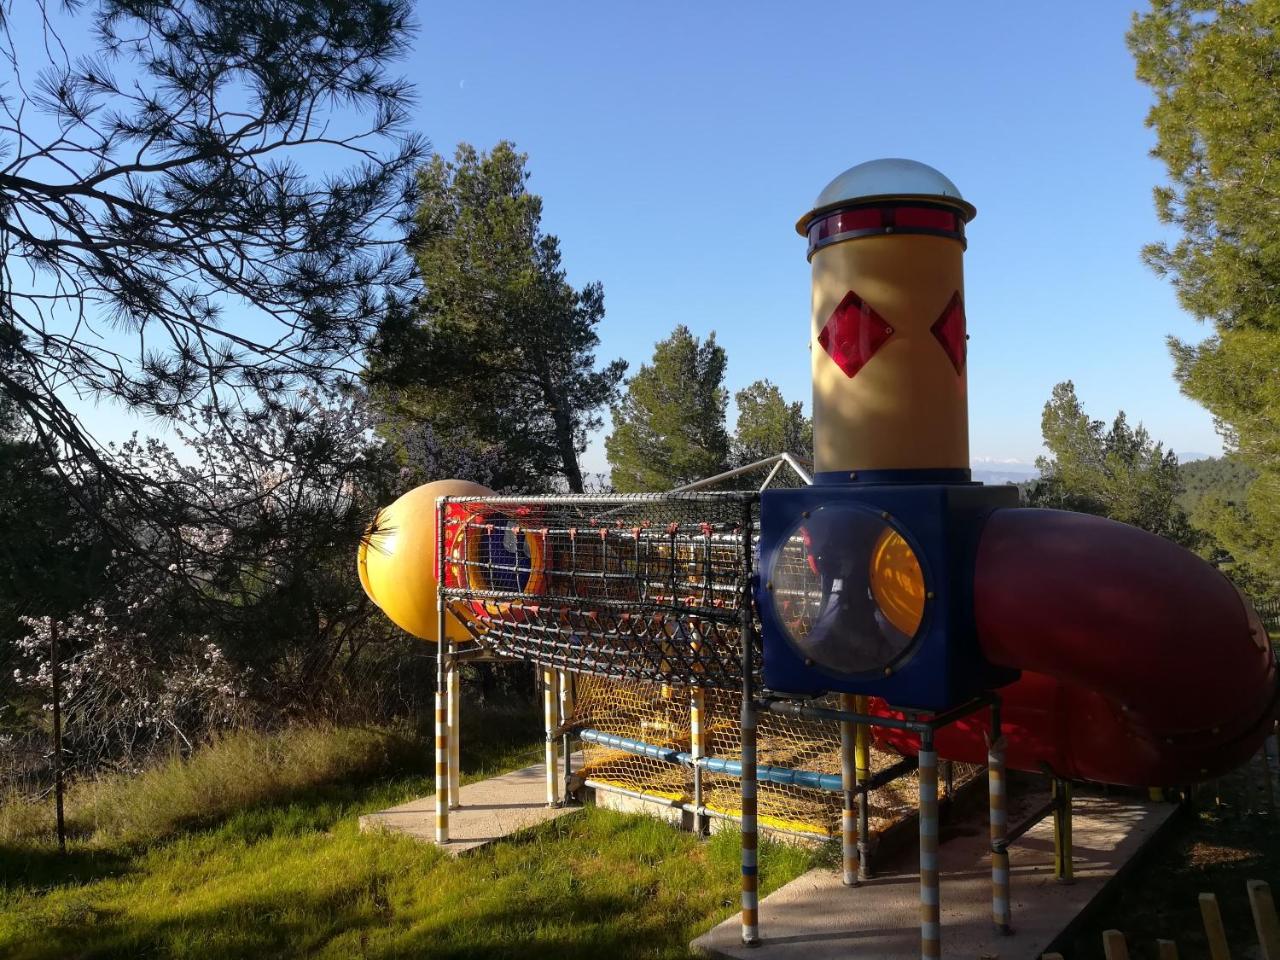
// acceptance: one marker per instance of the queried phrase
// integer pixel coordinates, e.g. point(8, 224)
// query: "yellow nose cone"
point(397, 559)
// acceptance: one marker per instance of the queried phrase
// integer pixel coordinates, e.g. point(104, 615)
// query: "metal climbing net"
point(642, 587)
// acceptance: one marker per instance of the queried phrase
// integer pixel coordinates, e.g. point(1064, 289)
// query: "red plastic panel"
point(949, 329)
point(853, 333)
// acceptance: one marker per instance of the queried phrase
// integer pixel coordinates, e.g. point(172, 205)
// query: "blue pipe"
point(783, 776)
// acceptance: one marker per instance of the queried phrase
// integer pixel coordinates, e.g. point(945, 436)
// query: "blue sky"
point(676, 144)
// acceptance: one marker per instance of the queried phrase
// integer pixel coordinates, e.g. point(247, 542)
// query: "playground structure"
point(739, 655)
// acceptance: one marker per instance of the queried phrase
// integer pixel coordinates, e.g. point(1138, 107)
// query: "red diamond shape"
point(949, 329)
point(853, 332)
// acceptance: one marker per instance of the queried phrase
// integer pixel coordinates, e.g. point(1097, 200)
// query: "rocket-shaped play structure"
point(889, 594)
point(1140, 663)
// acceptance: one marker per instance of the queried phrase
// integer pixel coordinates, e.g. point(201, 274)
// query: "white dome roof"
point(890, 178)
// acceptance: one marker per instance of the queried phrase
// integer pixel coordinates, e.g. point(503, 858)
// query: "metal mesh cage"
point(632, 587)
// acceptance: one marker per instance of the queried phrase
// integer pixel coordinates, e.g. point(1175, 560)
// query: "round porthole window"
point(849, 591)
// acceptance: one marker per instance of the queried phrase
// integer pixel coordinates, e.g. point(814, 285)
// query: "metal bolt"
point(929, 595)
point(804, 514)
point(769, 585)
point(808, 661)
point(884, 514)
point(888, 671)
point(853, 476)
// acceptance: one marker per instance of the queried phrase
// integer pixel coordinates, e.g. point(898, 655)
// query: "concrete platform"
point(491, 809)
point(815, 917)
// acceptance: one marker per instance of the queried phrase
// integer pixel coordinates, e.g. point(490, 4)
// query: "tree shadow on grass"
point(361, 922)
point(42, 867)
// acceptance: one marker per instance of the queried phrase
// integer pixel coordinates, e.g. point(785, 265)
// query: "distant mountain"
point(992, 470)
point(1192, 457)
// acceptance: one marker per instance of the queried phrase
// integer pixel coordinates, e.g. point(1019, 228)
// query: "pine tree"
point(1212, 67)
point(1117, 472)
point(669, 428)
point(196, 209)
point(498, 355)
point(768, 424)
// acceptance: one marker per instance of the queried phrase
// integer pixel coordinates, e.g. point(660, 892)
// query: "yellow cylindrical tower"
point(886, 244)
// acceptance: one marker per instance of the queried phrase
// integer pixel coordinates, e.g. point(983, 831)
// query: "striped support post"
point(550, 706)
point(747, 642)
point(442, 655)
point(862, 758)
point(454, 694)
point(1062, 844)
point(750, 839)
point(999, 830)
point(698, 750)
point(565, 679)
point(848, 781)
point(930, 912)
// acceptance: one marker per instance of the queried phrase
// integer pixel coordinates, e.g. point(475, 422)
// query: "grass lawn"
point(292, 877)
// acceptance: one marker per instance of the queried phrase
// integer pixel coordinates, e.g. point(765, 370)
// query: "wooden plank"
point(1166, 950)
point(1264, 919)
point(1213, 929)
point(1113, 945)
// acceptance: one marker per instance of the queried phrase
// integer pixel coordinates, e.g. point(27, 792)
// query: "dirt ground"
point(1229, 835)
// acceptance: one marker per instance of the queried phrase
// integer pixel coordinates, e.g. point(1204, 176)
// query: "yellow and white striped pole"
point(1063, 871)
point(750, 838)
point(454, 693)
point(698, 750)
point(998, 794)
point(442, 655)
point(862, 762)
point(550, 707)
point(930, 898)
point(566, 714)
point(848, 784)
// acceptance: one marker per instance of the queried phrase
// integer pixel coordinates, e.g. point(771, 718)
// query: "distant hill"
point(987, 470)
point(1212, 475)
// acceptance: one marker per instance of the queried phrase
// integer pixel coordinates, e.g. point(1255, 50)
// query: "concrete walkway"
point(815, 917)
point(491, 809)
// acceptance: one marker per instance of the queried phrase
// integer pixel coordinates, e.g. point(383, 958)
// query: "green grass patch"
point(288, 874)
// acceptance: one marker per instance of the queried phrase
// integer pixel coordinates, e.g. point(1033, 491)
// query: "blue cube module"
point(868, 589)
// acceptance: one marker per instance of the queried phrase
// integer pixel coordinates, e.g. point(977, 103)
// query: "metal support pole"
point(442, 724)
point(1062, 846)
point(850, 839)
point(750, 861)
point(997, 785)
point(698, 749)
point(862, 758)
point(454, 693)
point(550, 708)
point(930, 901)
point(567, 692)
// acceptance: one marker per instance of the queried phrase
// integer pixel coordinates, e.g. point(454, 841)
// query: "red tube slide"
point(1142, 665)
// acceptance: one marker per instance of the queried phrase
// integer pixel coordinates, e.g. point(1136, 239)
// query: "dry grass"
point(237, 771)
